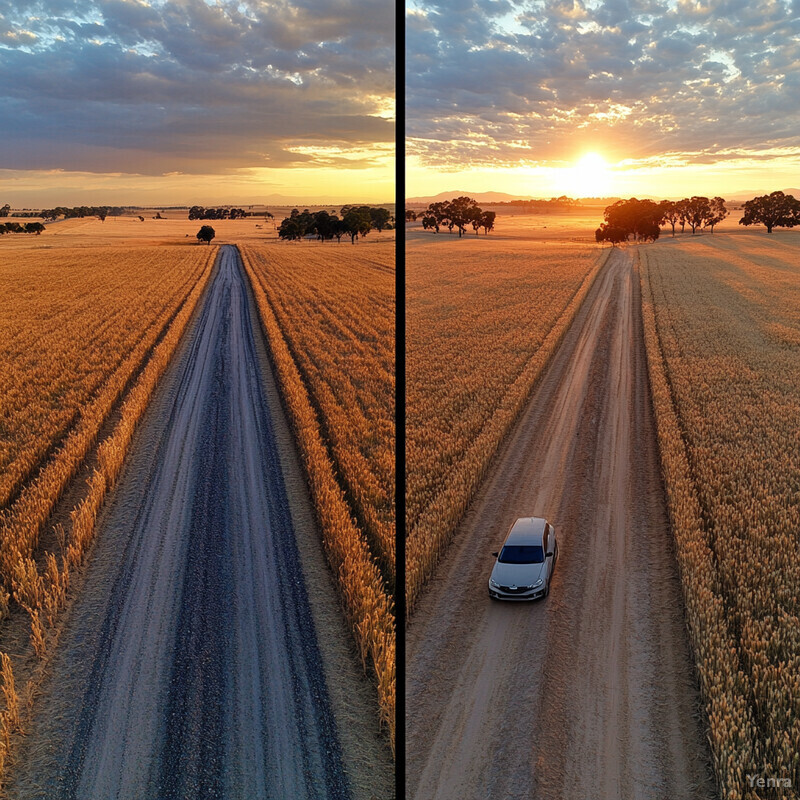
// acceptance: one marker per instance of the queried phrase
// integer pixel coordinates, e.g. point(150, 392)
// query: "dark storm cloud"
point(192, 86)
point(496, 83)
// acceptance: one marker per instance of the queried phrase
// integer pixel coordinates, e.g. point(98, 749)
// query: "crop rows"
point(722, 328)
point(328, 314)
point(112, 313)
point(482, 323)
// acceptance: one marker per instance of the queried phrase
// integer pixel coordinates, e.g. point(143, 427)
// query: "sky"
point(196, 102)
point(661, 98)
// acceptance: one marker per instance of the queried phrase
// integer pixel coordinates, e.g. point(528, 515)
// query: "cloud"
point(192, 86)
point(535, 81)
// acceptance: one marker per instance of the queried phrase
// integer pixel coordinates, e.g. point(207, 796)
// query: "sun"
point(590, 177)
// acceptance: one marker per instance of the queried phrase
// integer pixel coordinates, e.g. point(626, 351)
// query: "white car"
point(525, 565)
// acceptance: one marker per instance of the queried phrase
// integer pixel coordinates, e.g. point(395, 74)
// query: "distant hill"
point(749, 194)
point(286, 200)
point(480, 197)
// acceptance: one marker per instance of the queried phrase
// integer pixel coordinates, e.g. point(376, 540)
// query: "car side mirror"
point(495, 554)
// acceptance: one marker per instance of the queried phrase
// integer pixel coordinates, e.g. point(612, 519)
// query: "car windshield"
point(521, 554)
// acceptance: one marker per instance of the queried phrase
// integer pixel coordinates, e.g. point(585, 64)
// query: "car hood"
point(517, 574)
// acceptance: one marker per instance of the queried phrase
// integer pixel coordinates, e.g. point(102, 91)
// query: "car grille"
point(518, 590)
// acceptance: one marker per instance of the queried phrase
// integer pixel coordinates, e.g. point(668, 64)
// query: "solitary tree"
point(4, 211)
point(776, 210)
point(206, 234)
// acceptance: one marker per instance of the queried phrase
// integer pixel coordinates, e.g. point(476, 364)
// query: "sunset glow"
point(677, 98)
point(187, 101)
point(588, 178)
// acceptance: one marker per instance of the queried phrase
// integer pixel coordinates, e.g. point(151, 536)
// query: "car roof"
point(526, 530)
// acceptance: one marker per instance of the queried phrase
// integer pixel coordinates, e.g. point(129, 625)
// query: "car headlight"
point(493, 582)
point(538, 583)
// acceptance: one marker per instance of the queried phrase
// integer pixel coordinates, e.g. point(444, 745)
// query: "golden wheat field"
point(483, 318)
point(722, 326)
point(328, 312)
point(74, 329)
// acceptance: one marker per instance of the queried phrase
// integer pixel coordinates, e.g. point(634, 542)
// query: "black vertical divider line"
point(400, 397)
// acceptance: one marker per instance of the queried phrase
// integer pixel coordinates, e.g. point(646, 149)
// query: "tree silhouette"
point(718, 212)
point(380, 217)
point(487, 221)
point(638, 218)
point(776, 210)
point(670, 212)
point(357, 222)
point(610, 233)
point(429, 221)
point(697, 211)
point(458, 213)
point(206, 234)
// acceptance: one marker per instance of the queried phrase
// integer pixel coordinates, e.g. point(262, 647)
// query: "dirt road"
point(191, 667)
point(588, 694)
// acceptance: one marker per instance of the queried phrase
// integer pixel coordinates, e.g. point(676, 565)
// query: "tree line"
point(642, 219)
point(551, 206)
point(21, 227)
point(198, 212)
point(458, 213)
point(82, 211)
point(354, 221)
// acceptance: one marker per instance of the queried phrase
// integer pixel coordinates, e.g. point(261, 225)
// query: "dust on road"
point(589, 694)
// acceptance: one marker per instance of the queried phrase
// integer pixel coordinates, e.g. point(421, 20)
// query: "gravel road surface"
point(195, 670)
point(590, 693)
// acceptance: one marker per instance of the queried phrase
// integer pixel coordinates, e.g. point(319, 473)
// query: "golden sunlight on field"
point(484, 315)
point(722, 325)
point(174, 229)
point(328, 312)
